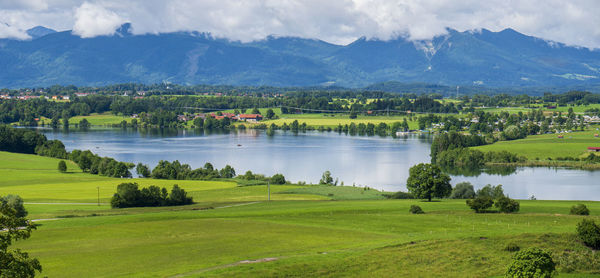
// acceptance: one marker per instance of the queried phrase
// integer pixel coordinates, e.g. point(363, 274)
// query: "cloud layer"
point(338, 21)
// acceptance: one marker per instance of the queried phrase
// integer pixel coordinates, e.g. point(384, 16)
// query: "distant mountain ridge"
point(471, 58)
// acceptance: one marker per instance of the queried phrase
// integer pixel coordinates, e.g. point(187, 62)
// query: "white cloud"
point(339, 21)
point(7, 31)
point(94, 20)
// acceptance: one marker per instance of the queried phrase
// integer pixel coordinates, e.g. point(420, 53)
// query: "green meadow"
point(304, 231)
point(549, 145)
point(100, 119)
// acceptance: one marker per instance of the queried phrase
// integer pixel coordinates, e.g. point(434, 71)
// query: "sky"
point(574, 22)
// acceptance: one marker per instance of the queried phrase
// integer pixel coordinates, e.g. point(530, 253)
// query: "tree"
point(278, 179)
point(227, 172)
point(463, 190)
point(178, 197)
point(480, 204)
point(491, 191)
point(507, 205)
point(142, 170)
point(427, 181)
point(16, 203)
point(512, 132)
point(84, 124)
point(255, 111)
point(326, 178)
point(532, 262)
point(65, 118)
point(128, 195)
point(62, 166)
point(15, 263)
point(270, 113)
point(352, 115)
point(589, 233)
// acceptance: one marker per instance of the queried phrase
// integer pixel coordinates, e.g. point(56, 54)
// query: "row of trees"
point(105, 166)
point(30, 142)
point(178, 171)
point(129, 195)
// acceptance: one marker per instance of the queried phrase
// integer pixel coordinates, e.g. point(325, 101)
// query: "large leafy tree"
point(427, 181)
point(15, 263)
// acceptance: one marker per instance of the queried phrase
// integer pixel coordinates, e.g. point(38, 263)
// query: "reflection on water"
point(378, 162)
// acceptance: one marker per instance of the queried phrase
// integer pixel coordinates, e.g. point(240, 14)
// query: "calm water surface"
point(376, 162)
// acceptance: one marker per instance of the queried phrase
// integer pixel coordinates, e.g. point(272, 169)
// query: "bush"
point(507, 205)
point(414, 209)
point(401, 195)
point(278, 179)
point(463, 190)
point(62, 166)
point(512, 247)
point(580, 209)
point(589, 232)
point(480, 204)
point(533, 262)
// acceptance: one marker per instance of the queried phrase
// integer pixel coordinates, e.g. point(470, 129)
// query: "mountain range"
point(470, 58)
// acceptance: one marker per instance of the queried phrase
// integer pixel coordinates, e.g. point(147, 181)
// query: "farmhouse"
point(593, 149)
point(253, 118)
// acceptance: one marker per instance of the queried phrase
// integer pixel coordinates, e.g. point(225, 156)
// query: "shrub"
point(589, 233)
point(62, 166)
point(414, 209)
point(463, 190)
point(512, 247)
point(580, 209)
point(401, 195)
point(533, 262)
point(507, 205)
point(480, 204)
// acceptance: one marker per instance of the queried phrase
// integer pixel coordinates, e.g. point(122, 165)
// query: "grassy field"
point(100, 119)
point(548, 145)
point(333, 120)
point(305, 231)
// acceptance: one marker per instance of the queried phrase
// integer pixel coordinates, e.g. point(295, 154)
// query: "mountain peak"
point(39, 31)
point(124, 30)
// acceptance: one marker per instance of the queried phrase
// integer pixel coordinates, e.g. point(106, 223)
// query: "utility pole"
point(269, 189)
point(98, 187)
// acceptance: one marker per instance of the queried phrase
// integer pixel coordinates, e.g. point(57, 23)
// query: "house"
point(593, 149)
point(183, 118)
point(65, 97)
point(252, 118)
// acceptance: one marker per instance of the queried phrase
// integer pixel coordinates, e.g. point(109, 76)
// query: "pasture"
point(304, 231)
point(545, 146)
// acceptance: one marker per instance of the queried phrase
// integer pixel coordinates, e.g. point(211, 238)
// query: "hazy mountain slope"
point(495, 59)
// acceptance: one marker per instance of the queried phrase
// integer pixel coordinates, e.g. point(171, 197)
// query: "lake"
point(377, 162)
